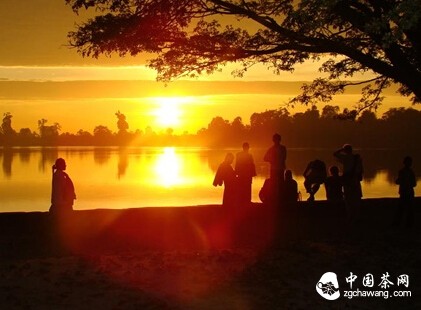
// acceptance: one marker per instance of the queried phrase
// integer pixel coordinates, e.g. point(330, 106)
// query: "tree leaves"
point(194, 37)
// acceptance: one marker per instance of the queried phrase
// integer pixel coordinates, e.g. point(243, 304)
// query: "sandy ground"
point(193, 258)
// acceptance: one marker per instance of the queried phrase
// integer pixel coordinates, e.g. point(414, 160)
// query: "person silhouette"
point(226, 175)
point(290, 192)
point(276, 155)
point(245, 170)
point(333, 186)
point(314, 176)
point(267, 192)
point(351, 177)
point(406, 181)
point(63, 191)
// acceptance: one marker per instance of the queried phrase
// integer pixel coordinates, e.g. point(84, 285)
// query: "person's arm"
point(338, 153)
point(218, 180)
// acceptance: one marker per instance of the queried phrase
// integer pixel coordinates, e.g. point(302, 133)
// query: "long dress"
point(226, 175)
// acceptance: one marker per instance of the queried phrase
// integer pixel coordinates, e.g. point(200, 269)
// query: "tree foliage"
point(122, 123)
point(6, 125)
point(309, 129)
point(193, 37)
point(319, 129)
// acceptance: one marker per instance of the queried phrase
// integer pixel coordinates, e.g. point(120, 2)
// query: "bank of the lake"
point(204, 257)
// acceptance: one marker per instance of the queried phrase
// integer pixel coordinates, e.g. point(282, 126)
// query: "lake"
point(116, 178)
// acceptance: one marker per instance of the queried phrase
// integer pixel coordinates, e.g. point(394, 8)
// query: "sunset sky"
point(38, 74)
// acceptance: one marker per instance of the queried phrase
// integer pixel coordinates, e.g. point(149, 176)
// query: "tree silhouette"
point(330, 111)
point(122, 124)
point(6, 126)
point(48, 134)
point(103, 135)
point(353, 36)
point(7, 133)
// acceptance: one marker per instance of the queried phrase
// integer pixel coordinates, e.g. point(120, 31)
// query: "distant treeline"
point(398, 127)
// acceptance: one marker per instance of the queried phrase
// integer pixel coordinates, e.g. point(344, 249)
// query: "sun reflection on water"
point(168, 168)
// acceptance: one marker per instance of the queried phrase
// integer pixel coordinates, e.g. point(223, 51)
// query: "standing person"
point(226, 175)
point(245, 170)
point(314, 175)
point(406, 181)
point(333, 185)
point(63, 191)
point(351, 177)
point(276, 155)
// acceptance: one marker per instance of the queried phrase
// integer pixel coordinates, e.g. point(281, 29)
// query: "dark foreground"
point(206, 258)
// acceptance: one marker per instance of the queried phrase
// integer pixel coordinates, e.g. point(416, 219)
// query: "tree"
point(27, 137)
point(330, 111)
point(218, 126)
point(6, 126)
point(103, 135)
point(122, 124)
point(102, 131)
point(48, 132)
point(382, 38)
point(84, 137)
point(26, 132)
point(367, 117)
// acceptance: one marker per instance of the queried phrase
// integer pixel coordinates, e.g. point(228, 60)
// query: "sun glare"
point(168, 168)
point(169, 111)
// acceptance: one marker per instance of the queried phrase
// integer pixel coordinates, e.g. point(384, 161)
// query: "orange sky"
point(33, 36)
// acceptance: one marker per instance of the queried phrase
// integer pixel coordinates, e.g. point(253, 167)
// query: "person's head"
point(334, 170)
point(229, 158)
point(276, 138)
point(347, 148)
point(407, 161)
point(246, 146)
point(288, 175)
point(60, 164)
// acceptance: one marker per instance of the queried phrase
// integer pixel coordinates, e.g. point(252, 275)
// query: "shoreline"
point(203, 257)
point(189, 228)
point(387, 201)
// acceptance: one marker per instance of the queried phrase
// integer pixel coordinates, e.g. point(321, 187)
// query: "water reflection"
point(24, 155)
point(7, 162)
point(136, 177)
point(168, 167)
point(47, 159)
point(101, 156)
point(123, 162)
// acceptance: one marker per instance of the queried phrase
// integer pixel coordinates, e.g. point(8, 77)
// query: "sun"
point(168, 112)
